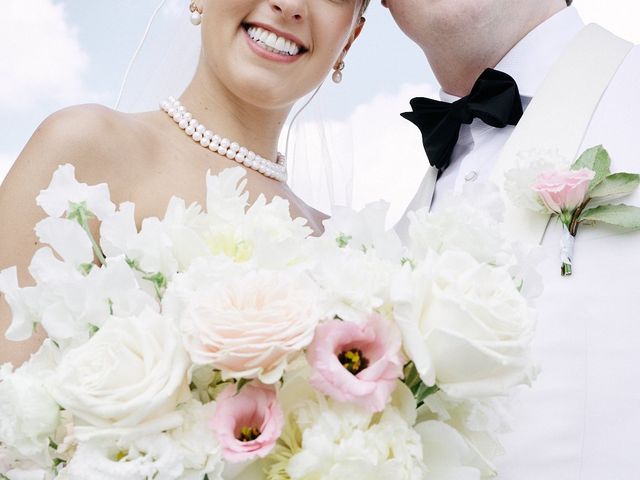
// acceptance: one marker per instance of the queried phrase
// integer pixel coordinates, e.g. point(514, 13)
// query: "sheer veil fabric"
point(319, 152)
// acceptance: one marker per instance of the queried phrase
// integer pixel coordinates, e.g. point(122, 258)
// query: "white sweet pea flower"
point(184, 226)
point(227, 199)
point(151, 248)
point(364, 230)
point(67, 238)
point(455, 304)
point(65, 189)
point(126, 380)
point(22, 301)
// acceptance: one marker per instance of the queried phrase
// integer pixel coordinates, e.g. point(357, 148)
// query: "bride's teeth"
point(272, 42)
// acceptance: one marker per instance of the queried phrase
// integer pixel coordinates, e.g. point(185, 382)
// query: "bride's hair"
point(569, 2)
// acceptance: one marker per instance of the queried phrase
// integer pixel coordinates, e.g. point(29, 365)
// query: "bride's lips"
point(280, 47)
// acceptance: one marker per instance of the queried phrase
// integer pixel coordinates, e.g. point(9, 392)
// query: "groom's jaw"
point(462, 38)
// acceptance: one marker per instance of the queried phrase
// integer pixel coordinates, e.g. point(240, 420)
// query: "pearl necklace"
point(223, 146)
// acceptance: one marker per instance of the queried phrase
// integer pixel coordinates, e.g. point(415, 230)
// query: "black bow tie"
point(494, 99)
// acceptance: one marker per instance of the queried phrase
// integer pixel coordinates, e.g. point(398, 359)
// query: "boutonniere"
point(582, 193)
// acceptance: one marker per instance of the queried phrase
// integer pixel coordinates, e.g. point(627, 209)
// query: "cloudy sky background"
point(55, 53)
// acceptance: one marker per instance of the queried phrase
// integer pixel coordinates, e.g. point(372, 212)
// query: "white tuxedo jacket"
point(581, 419)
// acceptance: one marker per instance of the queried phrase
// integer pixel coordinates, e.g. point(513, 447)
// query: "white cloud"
point(41, 55)
point(6, 160)
point(373, 154)
point(619, 16)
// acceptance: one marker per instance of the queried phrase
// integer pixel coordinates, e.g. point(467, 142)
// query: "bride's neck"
point(214, 106)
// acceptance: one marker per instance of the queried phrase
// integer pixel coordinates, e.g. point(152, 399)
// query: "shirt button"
point(471, 176)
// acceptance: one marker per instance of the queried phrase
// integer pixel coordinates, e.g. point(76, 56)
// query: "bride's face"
point(270, 53)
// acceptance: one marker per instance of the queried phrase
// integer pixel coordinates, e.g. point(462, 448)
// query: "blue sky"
point(55, 53)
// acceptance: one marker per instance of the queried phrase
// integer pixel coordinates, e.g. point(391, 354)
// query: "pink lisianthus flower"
point(248, 423)
point(356, 363)
point(563, 191)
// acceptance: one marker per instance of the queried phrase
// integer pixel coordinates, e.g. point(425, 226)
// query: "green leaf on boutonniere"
point(616, 185)
point(596, 159)
point(620, 215)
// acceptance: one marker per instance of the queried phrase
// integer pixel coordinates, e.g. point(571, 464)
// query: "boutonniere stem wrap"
point(581, 195)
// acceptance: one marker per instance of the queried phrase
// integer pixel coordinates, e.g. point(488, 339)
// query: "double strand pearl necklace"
point(223, 146)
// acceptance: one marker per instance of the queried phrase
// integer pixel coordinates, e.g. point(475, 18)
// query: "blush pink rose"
point(356, 363)
point(563, 191)
point(247, 424)
point(249, 327)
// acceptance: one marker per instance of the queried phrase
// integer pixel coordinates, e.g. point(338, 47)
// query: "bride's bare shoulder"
point(83, 135)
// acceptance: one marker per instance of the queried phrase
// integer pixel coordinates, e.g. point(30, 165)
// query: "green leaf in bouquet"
point(419, 389)
point(241, 383)
point(343, 240)
point(616, 185)
point(596, 159)
point(159, 282)
point(619, 215)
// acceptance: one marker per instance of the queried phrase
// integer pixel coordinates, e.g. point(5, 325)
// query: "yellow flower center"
point(248, 434)
point(353, 360)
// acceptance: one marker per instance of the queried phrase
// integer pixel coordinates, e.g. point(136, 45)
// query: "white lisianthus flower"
point(126, 380)
point(345, 442)
point(29, 416)
point(198, 442)
point(150, 457)
point(251, 325)
point(463, 225)
point(452, 303)
point(355, 283)
point(65, 189)
point(519, 181)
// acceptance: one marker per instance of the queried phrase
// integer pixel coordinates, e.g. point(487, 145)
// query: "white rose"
point(465, 325)
point(251, 325)
point(128, 378)
point(446, 453)
point(29, 416)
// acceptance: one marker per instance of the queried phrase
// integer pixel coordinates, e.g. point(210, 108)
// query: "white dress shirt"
point(581, 419)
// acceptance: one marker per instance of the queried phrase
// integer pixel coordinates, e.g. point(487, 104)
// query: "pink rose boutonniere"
point(582, 195)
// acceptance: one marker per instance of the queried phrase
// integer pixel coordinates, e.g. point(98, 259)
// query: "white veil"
point(164, 63)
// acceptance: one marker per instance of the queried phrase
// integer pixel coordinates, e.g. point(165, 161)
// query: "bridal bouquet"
point(227, 342)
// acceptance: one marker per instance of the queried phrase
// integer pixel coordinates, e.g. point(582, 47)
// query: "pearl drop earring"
point(196, 14)
point(337, 73)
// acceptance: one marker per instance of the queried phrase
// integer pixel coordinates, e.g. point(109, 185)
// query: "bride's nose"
point(290, 9)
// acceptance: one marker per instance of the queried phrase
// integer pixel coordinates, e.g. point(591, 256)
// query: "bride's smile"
point(274, 45)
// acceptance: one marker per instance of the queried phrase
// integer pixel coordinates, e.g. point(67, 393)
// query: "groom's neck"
point(458, 57)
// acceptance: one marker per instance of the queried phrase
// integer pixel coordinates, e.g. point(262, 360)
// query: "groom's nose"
point(290, 9)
